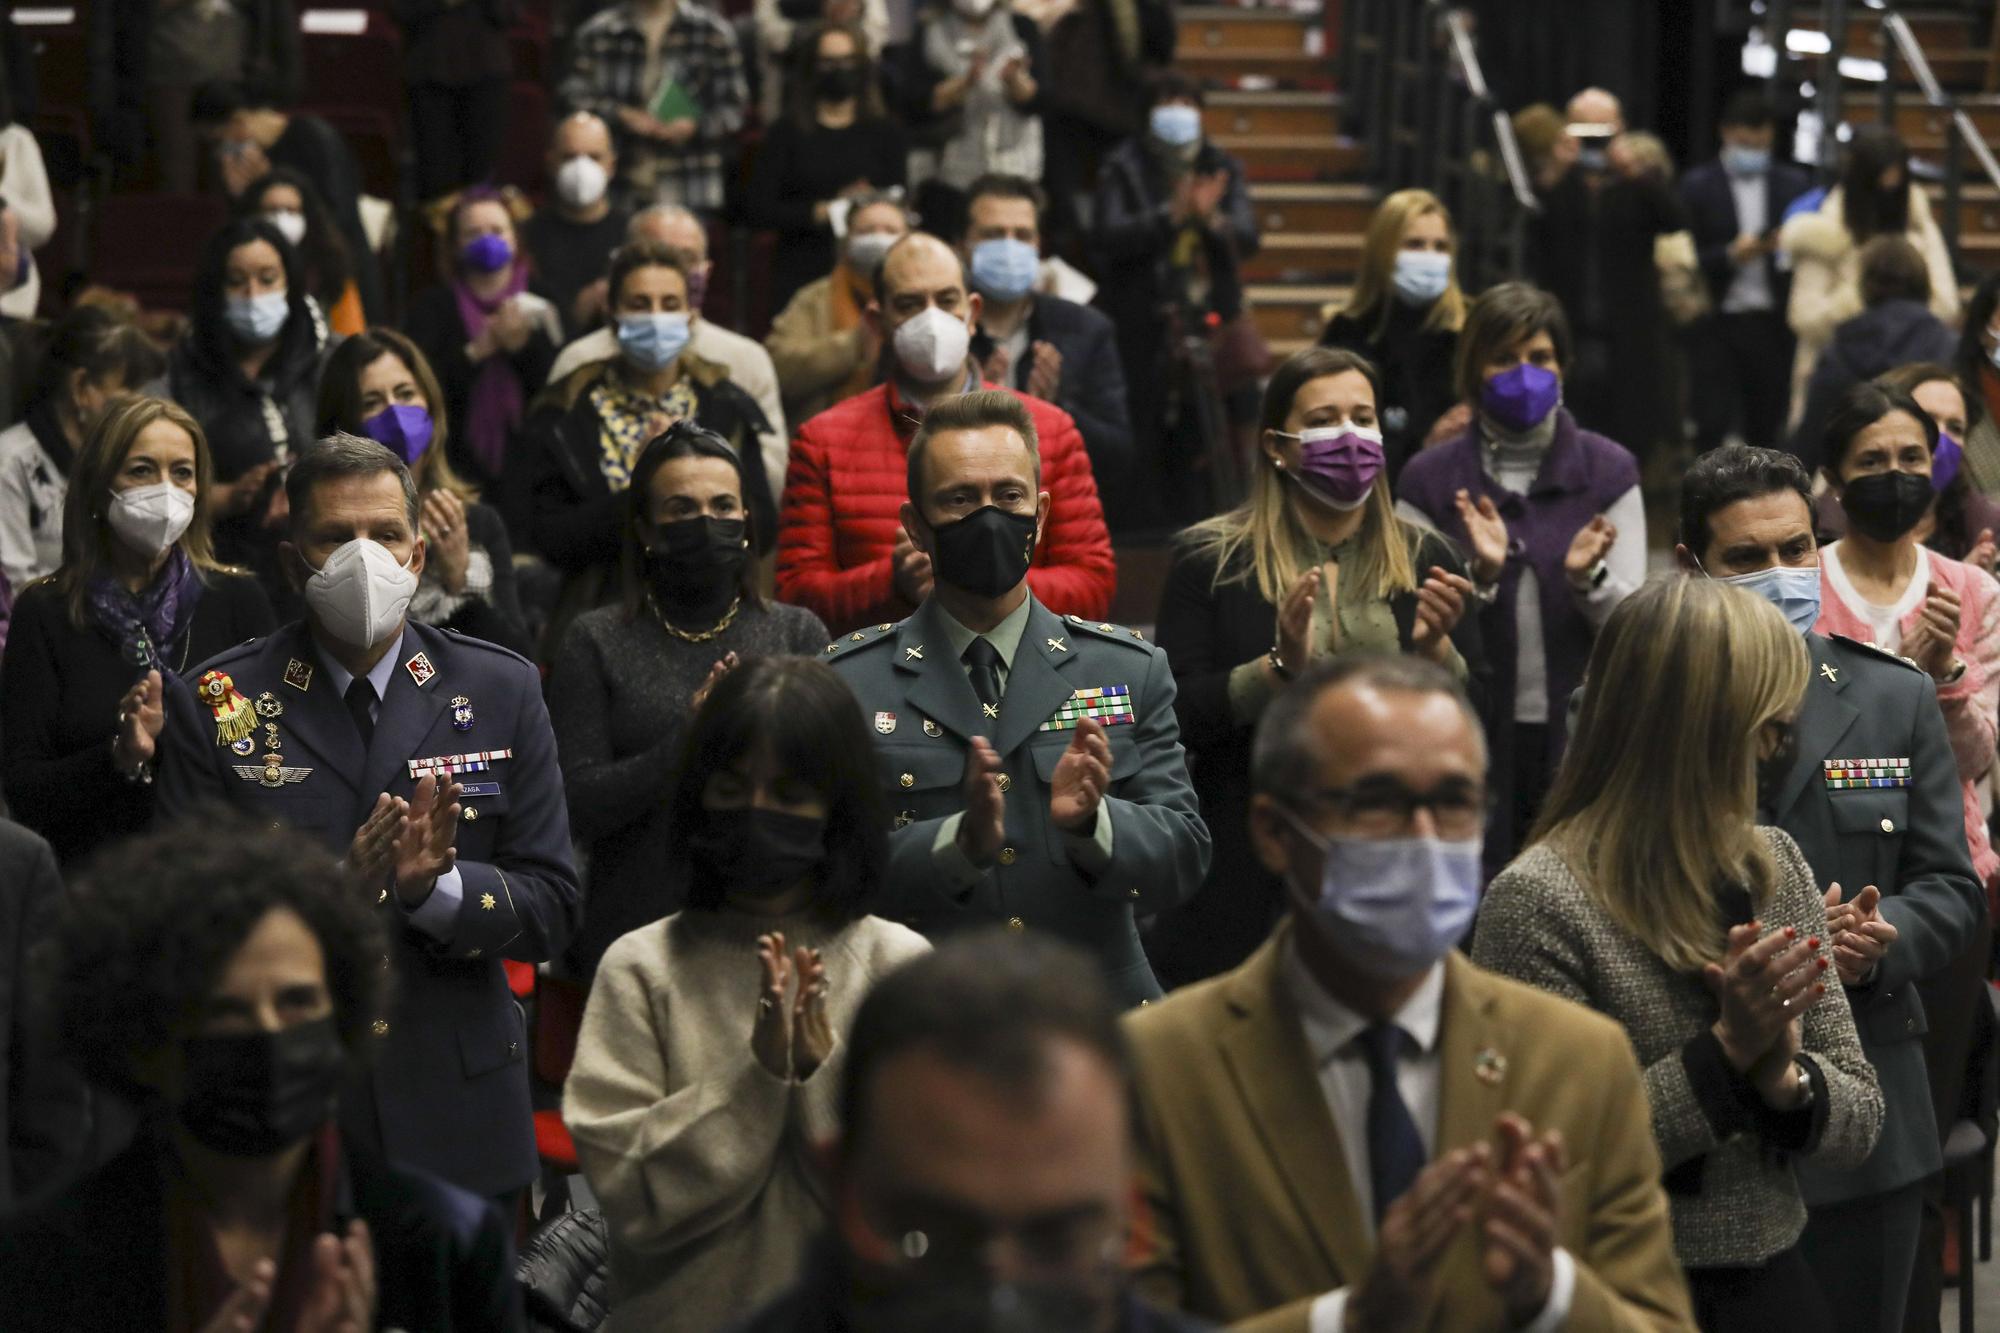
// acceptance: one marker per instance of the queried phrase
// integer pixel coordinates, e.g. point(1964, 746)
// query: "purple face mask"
point(697, 281)
point(1339, 464)
point(403, 428)
point(487, 254)
point(1945, 461)
point(1520, 398)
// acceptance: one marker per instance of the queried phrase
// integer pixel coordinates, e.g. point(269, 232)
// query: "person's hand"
point(591, 304)
point(372, 854)
point(1486, 533)
point(10, 247)
point(1045, 372)
point(1397, 1293)
point(771, 1034)
point(1985, 554)
point(234, 499)
point(1745, 248)
point(243, 1312)
point(243, 165)
point(983, 826)
point(1762, 985)
point(1082, 776)
point(446, 543)
point(342, 1296)
point(427, 842)
point(913, 576)
point(1590, 545)
point(675, 133)
point(1205, 195)
point(141, 715)
point(510, 326)
point(1441, 602)
point(1456, 420)
point(1295, 615)
point(1934, 645)
point(1524, 1218)
point(812, 1030)
point(995, 367)
point(1020, 84)
point(728, 664)
point(1861, 938)
point(638, 121)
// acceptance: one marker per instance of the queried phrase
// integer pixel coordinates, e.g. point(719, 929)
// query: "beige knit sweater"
point(701, 1158)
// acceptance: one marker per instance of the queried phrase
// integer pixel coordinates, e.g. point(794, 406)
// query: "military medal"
point(269, 706)
point(420, 669)
point(444, 765)
point(1110, 705)
point(298, 675)
point(245, 747)
point(1848, 774)
point(885, 723)
point(1058, 646)
point(461, 713)
point(235, 720)
point(932, 729)
point(273, 773)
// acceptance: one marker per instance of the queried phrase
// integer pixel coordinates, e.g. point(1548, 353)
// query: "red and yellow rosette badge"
point(235, 719)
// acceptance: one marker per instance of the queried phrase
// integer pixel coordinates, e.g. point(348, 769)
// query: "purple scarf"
point(142, 624)
point(494, 404)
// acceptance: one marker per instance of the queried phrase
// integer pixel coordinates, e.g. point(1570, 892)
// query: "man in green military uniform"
point(1034, 760)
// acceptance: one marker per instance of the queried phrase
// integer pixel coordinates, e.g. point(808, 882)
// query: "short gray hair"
point(637, 230)
point(344, 455)
point(1282, 758)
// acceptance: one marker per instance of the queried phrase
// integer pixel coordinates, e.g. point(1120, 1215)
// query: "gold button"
point(471, 814)
point(380, 1027)
point(908, 780)
point(1131, 893)
point(1888, 826)
point(1006, 784)
point(1016, 923)
point(474, 953)
point(1008, 856)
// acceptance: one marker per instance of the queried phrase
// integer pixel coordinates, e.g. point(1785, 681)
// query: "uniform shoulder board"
point(1104, 629)
point(848, 644)
point(1876, 651)
point(484, 645)
point(227, 656)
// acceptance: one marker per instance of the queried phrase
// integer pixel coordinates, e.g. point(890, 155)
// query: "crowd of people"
point(543, 772)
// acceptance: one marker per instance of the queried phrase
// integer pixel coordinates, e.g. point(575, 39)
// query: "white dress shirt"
point(1750, 289)
point(1330, 1031)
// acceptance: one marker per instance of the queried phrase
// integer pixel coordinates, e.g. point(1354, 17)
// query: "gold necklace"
point(728, 618)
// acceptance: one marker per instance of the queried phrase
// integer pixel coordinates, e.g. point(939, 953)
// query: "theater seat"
point(149, 244)
point(527, 136)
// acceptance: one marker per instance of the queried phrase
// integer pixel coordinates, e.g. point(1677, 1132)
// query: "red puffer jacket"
point(845, 488)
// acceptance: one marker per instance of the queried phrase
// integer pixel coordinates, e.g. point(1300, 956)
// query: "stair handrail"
point(1897, 29)
point(1466, 53)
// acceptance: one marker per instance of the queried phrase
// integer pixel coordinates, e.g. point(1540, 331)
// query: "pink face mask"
point(1338, 464)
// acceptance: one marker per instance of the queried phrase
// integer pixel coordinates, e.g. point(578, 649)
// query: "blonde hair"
point(1263, 539)
point(87, 535)
point(1373, 293)
point(1656, 804)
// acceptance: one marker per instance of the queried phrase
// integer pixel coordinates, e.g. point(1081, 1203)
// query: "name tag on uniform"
point(440, 765)
point(1844, 774)
point(479, 788)
point(1109, 704)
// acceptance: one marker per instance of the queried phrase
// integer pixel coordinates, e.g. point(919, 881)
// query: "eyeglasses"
point(1389, 809)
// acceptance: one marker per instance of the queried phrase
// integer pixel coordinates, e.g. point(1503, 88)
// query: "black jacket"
point(1207, 632)
point(97, 1256)
point(242, 431)
point(1880, 338)
point(1416, 367)
point(1711, 215)
point(1133, 237)
point(435, 326)
point(42, 1102)
point(1092, 388)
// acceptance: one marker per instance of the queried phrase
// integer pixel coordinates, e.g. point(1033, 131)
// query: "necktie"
point(1395, 1150)
point(982, 664)
point(360, 695)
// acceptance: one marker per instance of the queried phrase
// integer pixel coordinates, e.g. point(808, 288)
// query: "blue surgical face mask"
point(256, 319)
point(1793, 589)
point(1421, 275)
point(1004, 269)
point(652, 341)
point(1391, 907)
point(1745, 161)
point(1175, 123)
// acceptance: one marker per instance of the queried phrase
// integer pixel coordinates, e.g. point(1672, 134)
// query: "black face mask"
point(837, 83)
point(985, 553)
point(695, 558)
point(1885, 505)
point(1772, 768)
point(757, 851)
point(258, 1093)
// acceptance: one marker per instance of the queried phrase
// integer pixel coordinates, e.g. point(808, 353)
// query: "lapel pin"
point(915, 654)
point(420, 669)
point(991, 711)
point(298, 675)
point(885, 723)
point(1831, 673)
point(1058, 646)
point(269, 706)
point(932, 729)
point(461, 713)
point(246, 746)
point(1489, 1066)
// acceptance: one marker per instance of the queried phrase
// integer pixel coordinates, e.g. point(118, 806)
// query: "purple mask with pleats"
point(1339, 463)
point(403, 428)
point(1945, 461)
point(1519, 398)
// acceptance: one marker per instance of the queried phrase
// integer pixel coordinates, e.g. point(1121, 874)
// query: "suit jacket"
point(42, 1102)
point(448, 1090)
point(1092, 388)
point(1711, 211)
point(921, 705)
point(1252, 1211)
point(1909, 842)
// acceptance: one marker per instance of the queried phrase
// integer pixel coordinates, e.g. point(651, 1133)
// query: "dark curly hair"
point(140, 939)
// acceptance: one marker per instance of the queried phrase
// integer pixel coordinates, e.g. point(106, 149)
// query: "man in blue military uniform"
point(427, 759)
point(1035, 760)
point(1893, 842)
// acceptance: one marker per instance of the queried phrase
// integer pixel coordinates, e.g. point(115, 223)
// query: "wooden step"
point(1959, 69)
point(1270, 70)
point(1232, 112)
point(1312, 206)
point(1920, 122)
point(1293, 157)
point(1212, 30)
point(1292, 313)
point(1305, 257)
point(1935, 28)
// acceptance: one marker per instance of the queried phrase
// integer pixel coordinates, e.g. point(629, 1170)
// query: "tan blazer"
point(1252, 1213)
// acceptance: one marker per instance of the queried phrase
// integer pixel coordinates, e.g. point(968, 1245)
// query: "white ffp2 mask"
point(360, 594)
point(932, 346)
point(149, 519)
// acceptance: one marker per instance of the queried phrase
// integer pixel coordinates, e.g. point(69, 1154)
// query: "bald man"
point(571, 239)
point(842, 549)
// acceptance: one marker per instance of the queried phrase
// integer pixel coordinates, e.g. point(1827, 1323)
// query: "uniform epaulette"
point(860, 639)
point(234, 654)
point(1879, 651)
point(1104, 629)
point(485, 645)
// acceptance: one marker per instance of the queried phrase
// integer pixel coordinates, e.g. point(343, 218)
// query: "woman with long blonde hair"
point(1313, 563)
point(1404, 315)
point(139, 594)
point(1649, 893)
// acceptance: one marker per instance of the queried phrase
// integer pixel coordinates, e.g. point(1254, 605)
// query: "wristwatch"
point(1806, 1091)
point(1593, 578)
point(1278, 666)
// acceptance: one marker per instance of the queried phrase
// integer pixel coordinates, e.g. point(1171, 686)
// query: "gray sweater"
point(618, 699)
point(1730, 1183)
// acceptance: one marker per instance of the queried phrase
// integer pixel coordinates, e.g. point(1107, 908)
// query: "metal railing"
point(1415, 93)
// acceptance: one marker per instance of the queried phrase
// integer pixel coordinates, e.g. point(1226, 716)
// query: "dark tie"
point(360, 695)
point(982, 664)
point(1395, 1150)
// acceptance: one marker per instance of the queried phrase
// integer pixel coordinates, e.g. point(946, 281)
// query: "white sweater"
point(24, 186)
